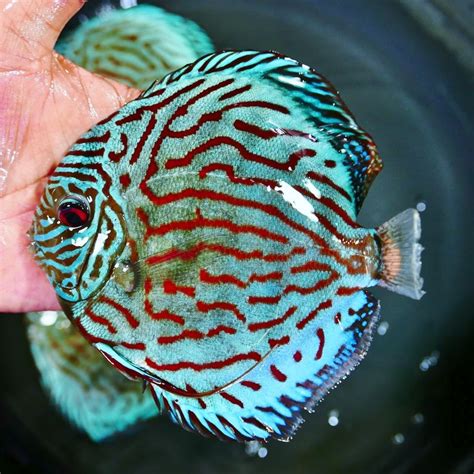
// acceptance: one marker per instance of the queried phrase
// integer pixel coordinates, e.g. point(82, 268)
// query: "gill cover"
point(78, 231)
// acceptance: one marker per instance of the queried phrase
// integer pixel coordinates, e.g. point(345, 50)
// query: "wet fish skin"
point(221, 260)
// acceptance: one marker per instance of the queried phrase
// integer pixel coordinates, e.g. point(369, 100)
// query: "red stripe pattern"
point(239, 225)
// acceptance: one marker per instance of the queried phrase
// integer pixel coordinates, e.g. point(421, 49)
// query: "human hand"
point(46, 103)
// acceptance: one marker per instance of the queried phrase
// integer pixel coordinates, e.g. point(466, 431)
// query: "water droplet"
point(312, 188)
point(383, 328)
point(79, 241)
point(398, 439)
point(293, 81)
point(296, 200)
point(125, 275)
point(333, 418)
point(48, 318)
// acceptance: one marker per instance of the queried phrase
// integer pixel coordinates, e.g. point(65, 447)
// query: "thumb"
point(29, 29)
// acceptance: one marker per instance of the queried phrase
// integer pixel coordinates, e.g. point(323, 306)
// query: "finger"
point(23, 285)
point(31, 28)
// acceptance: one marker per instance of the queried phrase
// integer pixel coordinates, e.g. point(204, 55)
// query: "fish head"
point(78, 230)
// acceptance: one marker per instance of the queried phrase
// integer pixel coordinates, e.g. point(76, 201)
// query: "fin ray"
point(282, 391)
point(401, 254)
point(86, 389)
point(318, 98)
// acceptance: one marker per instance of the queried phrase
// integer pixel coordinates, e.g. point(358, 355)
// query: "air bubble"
point(398, 439)
point(262, 452)
point(421, 206)
point(383, 328)
point(429, 361)
point(333, 418)
point(252, 448)
point(417, 418)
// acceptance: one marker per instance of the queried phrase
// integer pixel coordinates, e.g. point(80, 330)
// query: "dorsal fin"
point(311, 93)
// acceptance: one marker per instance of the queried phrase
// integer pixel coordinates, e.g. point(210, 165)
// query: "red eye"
point(73, 212)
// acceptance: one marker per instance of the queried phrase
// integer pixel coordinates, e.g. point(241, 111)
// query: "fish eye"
point(73, 211)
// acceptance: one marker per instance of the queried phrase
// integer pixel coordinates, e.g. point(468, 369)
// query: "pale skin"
point(46, 103)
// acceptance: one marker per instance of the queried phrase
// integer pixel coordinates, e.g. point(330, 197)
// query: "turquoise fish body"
point(134, 46)
point(204, 239)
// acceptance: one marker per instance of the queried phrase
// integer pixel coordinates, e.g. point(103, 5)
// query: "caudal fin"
point(401, 254)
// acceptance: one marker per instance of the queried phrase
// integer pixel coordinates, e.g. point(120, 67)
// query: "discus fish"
point(85, 387)
point(135, 46)
point(204, 239)
point(88, 391)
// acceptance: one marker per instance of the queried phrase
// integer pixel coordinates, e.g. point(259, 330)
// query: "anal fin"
point(270, 400)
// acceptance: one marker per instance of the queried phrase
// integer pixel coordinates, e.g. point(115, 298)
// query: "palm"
point(46, 103)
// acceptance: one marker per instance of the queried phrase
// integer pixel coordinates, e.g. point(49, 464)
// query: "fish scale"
point(228, 193)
